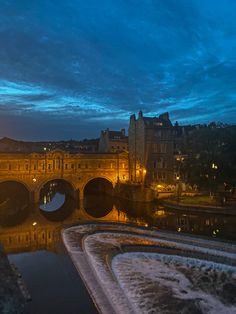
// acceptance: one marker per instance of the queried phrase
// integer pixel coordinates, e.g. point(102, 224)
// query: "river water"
point(33, 243)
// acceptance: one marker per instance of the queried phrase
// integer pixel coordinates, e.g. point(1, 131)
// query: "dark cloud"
point(75, 67)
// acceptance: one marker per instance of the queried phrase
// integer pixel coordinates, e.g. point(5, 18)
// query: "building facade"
point(113, 141)
point(151, 149)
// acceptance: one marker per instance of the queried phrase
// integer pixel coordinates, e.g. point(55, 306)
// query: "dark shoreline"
point(12, 300)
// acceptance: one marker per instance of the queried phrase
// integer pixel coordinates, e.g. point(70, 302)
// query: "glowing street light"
point(214, 166)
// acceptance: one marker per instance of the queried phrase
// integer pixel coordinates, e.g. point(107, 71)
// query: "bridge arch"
point(55, 178)
point(21, 183)
point(100, 184)
point(57, 198)
point(25, 184)
point(74, 191)
point(15, 197)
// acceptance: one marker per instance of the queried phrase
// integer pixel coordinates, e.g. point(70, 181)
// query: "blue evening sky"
point(71, 68)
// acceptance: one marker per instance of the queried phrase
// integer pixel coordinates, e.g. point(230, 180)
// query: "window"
point(162, 175)
point(163, 148)
point(158, 134)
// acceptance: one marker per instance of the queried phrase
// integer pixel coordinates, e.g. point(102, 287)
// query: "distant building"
point(86, 145)
point(151, 149)
point(113, 141)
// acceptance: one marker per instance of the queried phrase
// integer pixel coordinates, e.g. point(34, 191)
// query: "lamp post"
point(144, 174)
point(214, 168)
point(178, 187)
point(35, 238)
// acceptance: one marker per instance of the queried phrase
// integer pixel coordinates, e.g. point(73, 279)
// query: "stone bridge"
point(34, 170)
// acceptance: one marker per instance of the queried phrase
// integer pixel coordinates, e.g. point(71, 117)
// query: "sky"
point(69, 69)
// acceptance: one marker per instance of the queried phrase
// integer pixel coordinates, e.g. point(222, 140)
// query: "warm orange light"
point(34, 223)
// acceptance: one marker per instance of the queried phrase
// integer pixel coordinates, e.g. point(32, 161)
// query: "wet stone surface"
point(11, 298)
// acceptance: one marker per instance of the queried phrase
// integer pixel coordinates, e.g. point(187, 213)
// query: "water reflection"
point(46, 232)
point(56, 200)
point(98, 206)
point(53, 203)
point(61, 213)
point(14, 203)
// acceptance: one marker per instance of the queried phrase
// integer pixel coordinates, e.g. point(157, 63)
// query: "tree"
point(211, 156)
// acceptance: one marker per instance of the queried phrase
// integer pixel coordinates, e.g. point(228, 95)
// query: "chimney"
point(123, 132)
point(164, 116)
point(140, 114)
point(132, 117)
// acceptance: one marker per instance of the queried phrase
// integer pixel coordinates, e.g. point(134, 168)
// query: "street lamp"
point(178, 187)
point(144, 174)
point(214, 166)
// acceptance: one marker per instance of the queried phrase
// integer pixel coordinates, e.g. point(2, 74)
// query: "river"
point(33, 243)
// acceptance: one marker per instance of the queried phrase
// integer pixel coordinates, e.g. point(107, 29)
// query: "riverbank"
point(12, 300)
point(200, 204)
point(134, 192)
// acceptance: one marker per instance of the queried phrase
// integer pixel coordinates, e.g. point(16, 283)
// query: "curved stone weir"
point(135, 270)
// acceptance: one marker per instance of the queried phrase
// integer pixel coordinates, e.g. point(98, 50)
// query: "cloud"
point(96, 62)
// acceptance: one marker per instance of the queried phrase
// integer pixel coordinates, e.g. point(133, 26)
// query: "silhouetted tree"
point(211, 156)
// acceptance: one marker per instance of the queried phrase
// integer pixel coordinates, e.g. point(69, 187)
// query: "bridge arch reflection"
point(14, 202)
